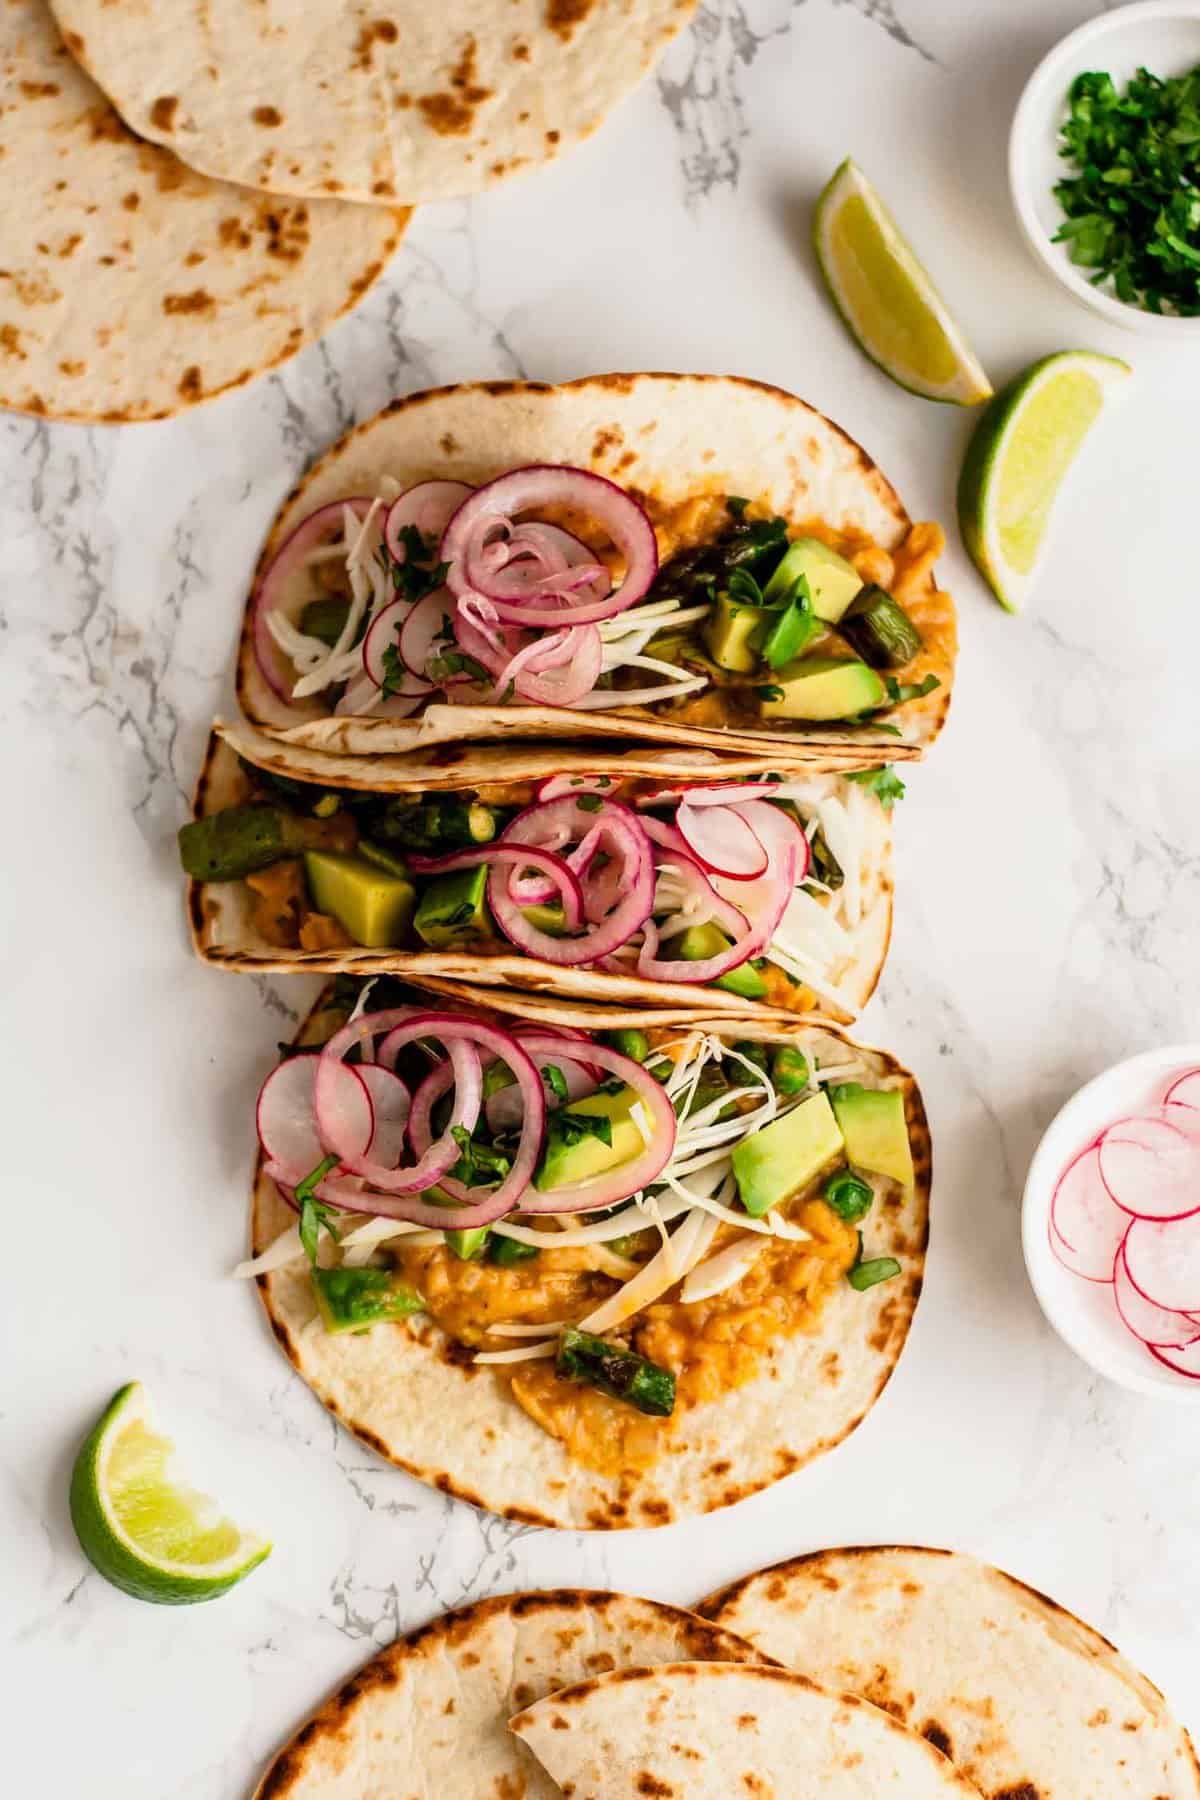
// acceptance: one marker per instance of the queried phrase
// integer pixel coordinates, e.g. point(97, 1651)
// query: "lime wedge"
point(888, 302)
point(145, 1534)
point(1021, 449)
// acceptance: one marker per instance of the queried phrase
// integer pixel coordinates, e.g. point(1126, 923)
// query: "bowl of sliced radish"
point(1111, 1222)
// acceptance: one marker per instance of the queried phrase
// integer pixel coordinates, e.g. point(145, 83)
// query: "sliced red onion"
point(511, 1191)
point(481, 635)
point(506, 1108)
point(429, 506)
point(552, 679)
point(561, 879)
point(556, 822)
point(723, 841)
point(269, 595)
point(493, 507)
point(580, 1041)
point(668, 839)
point(630, 1177)
point(764, 907)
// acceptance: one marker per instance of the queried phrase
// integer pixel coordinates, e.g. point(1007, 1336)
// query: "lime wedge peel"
point(144, 1532)
point(1022, 450)
point(886, 299)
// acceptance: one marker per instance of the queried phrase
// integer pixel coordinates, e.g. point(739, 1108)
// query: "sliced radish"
point(1151, 1167)
point(724, 841)
point(342, 1108)
point(1162, 1257)
point(385, 629)
point(391, 1104)
point(425, 623)
point(1086, 1227)
point(286, 1128)
point(1155, 1325)
point(1184, 1362)
point(429, 506)
point(1185, 1091)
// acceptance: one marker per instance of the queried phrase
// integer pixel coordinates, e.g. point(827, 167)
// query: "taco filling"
point(552, 586)
point(619, 1224)
point(760, 888)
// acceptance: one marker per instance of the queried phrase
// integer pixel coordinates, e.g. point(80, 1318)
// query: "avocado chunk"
point(820, 687)
point(874, 1127)
point(699, 942)
point(453, 908)
point(733, 632)
point(880, 630)
point(589, 1137)
point(786, 1155)
point(545, 915)
point(383, 858)
point(832, 581)
point(374, 906)
point(325, 619)
point(356, 1299)
point(235, 842)
point(469, 1242)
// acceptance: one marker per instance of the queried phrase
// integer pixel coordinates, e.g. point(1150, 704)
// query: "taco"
point(742, 895)
point(1024, 1697)
point(681, 559)
point(401, 102)
point(428, 1717)
point(711, 1730)
point(131, 287)
point(647, 1262)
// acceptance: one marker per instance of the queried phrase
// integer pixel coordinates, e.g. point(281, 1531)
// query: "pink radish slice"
point(1153, 1324)
point(1184, 1362)
point(430, 506)
point(723, 840)
point(391, 1103)
point(420, 628)
point(1086, 1227)
point(385, 627)
point(343, 1111)
point(1162, 1257)
point(1151, 1167)
point(1185, 1091)
point(286, 1128)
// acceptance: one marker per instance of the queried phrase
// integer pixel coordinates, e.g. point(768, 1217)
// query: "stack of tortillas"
point(137, 279)
point(912, 1673)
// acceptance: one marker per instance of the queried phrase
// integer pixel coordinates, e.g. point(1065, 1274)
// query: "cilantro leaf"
point(555, 1080)
point(884, 783)
point(393, 671)
point(313, 1212)
point(479, 1164)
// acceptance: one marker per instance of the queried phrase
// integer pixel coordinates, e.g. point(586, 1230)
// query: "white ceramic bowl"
point(1161, 35)
point(1084, 1313)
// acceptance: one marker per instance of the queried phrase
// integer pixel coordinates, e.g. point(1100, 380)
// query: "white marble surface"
point(1049, 887)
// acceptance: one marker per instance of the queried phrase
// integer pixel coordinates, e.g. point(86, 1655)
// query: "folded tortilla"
point(405, 102)
point(669, 439)
point(225, 934)
point(131, 287)
point(428, 1717)
point(415, 1397)
point(709, 1731)
point(1025, 1698)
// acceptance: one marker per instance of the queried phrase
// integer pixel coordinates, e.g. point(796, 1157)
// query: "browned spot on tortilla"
point(162, 113)
point(609, 437)
point(193, 259)
point(191, 385)
point(552, 137)
point(1025, 1791)
point(10, 342)
point(521, 54)
point(449, 444)
point(39, 90)
point(452, 114)
point(937, 1736)
point(70, 244)
point(74, 42)
point(198, 301)
point(383, 188)
point(650, 1784)
point(169, 174)
point(562, 16)
point(68, 367)
point(382, 29)
point(233, 234)
point(286, 230)
point(270, 116)
point(831, 1368)
point(106, 125)
point(131, 201)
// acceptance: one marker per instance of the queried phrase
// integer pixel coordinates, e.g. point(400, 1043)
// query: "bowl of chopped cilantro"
point(1104, 165)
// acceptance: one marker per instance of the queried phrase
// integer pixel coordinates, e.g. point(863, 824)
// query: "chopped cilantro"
point(393, 671)
point(769, 691)
point(478, 1165)
point(555, 1080)
point(884, 783)
point(589, 802)
point(313, 1212)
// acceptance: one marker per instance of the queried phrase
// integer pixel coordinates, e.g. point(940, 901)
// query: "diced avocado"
point(699, 942)
point(355, 1299)
point(325, 619)
point(783, 1158)
point(832, 581)
point(733, 631)
point(507, 1252)
point(875, 1129)
point(375, 907)
point(454, 907)
point(468, 1243)
point(821, 687)
point(383, 858)
point(234, 843)
point(880, 630)
point(545, 915)
point(574, 1151)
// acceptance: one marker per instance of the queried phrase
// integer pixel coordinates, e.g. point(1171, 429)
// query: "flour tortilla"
point(708, 1731)
point(1028, 1701)
point(223, 930)
point(130, 287)
point(411, 1397)
point(375, 102)
point(669, 437)
point(427, 1719)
